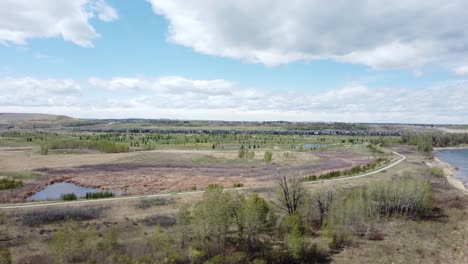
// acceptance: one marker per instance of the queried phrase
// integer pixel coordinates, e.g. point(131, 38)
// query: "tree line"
point(427, 141)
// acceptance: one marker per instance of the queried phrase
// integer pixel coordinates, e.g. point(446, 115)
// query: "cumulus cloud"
point(396, 34)
point(27, 91)
point(184, 98)
point(169, 85)
point(21, 20)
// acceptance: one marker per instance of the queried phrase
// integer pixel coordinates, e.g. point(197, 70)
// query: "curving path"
point(116, 199)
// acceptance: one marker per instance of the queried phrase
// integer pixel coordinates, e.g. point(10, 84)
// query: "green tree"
point(69, 244)
point(162, 248)
point(258, 218)
point(212, 218)
point(44, 149)
point(268, 156)
point(184, 219)
point(295, 242)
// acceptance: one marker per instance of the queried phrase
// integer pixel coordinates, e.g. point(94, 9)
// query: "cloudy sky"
point(300, 60)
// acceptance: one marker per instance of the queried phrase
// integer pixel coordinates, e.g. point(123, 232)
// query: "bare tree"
point(291, 193)
point(323, 201)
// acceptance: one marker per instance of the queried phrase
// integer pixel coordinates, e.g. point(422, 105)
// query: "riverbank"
point(457, 147)
point(449, 170)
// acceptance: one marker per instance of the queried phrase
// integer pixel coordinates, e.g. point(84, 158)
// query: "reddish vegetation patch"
point(134, 178)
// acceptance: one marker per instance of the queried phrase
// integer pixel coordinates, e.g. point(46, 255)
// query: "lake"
point(55, 190)
point(457, 158)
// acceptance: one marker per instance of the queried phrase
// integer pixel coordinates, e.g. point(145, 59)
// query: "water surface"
point(55, 190)
point(458, 158)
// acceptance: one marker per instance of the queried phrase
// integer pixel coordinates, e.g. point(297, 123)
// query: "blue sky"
point(223, 60)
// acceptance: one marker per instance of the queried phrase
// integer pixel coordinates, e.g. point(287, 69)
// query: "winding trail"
point(116, 199)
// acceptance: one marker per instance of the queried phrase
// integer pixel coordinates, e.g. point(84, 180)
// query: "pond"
point(55, 190)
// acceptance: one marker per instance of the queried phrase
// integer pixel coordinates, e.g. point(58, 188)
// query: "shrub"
point(150, 202)
point(238, 185)
point(268, 156)
point(437, 172)
point(99, 195)
point(215, 186)
point(161, 220)
point(311, 178)
point(68, 197)
point(354, 211)
point(44, 149)
point(246, 154)
point(5, 256)
point(7, 184)
point(53, 215)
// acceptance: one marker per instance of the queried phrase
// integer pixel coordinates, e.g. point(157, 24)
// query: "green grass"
point(20, 175)
point(437, 172)
point(8, 184)
point(117, 142)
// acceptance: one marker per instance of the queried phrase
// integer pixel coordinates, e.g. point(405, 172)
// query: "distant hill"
point(29, 120)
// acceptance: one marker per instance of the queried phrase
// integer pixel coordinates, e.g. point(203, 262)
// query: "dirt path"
point(43, 204)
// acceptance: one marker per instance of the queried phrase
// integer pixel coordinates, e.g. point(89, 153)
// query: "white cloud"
point(27, 91)
point(393, 34)
point(21, 20)
point(462, 70)
point(169, 85)
point(183, 98)
point(105, 12)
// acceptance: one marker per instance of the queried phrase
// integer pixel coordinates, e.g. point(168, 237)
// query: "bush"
point(246, 154)
point(7, 184)
point(161, 220)
point(268, 156)
point(150, 202)
point(68, 197)
point(437, 172)
point(44, 149)
point(5, 256)
point(53, 215)
point(311, 178)
point(99, 195)
point(238, 185)
point(354, 212)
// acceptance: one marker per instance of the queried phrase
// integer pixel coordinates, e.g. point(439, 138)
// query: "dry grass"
point(442, 238)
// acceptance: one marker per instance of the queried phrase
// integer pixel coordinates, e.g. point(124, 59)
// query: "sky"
point(404, 61)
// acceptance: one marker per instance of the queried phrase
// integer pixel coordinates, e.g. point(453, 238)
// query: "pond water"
point(55, 190)
point(458, 158)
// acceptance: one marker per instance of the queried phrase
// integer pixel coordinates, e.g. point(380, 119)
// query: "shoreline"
point(450, 171)
point(448, 148)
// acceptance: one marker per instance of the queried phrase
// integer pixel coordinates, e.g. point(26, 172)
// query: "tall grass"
point(353, 213)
